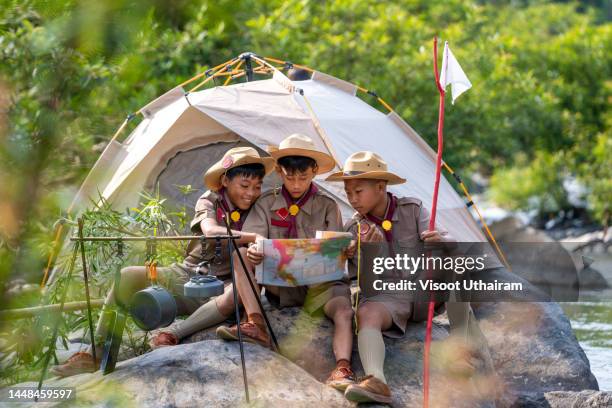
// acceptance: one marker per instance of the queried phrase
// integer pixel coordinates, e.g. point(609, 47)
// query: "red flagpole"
point(432, 220)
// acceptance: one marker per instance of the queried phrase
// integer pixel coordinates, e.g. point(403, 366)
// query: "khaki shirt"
point(409, 220)
point(206, 207)
point(319, 213)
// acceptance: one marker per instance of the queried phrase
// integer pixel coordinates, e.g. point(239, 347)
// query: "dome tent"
point(183, 132)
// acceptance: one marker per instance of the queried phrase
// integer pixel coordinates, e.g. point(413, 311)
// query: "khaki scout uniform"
point(176, 275)
point(209, 206)
point(409, 220)
point(319, 213)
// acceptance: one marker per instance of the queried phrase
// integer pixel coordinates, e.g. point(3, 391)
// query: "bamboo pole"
point(24, 313)
point(163, 238)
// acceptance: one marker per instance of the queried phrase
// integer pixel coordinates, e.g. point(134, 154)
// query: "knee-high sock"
point(372, 352)
point(204, 317)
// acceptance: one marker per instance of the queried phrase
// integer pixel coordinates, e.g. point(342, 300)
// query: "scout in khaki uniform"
point(235, 184)
point(297, 210)
point(386, 224)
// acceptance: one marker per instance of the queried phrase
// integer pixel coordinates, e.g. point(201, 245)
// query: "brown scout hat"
point(366, 165)
point(234, 157)
point(300, 145)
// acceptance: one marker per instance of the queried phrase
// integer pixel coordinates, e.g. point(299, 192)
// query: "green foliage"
point(531, 185)
point(24, 344)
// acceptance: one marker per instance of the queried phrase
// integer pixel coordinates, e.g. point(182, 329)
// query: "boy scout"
point(234, 185)
point(398, 224)
point(298, 210)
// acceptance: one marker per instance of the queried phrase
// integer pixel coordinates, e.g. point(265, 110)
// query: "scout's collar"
point(288, 214)
point(236, 216)
point(386, 223)
point(305, 205)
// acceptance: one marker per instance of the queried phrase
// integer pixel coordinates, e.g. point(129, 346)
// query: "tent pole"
point(200, 75)
point(214, 73)
point(229, 78)
point(248, 66)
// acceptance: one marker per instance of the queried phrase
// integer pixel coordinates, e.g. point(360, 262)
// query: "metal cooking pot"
point(153, 307)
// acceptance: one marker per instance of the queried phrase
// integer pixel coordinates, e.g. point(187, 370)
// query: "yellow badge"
point(294, 209)
point(386, 224)
point(235, 216)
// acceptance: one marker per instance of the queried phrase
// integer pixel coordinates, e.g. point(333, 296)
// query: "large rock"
point(582, 399)
point(201, 374)
point(568, 399)
point(532, 345)
point(534, 349)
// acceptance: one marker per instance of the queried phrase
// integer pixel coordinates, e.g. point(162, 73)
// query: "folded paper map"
point(297, 262)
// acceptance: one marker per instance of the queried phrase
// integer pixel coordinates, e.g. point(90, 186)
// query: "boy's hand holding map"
point(254, 254)
point(296, 262)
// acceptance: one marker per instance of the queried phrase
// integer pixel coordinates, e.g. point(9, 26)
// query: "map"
point(297, 262)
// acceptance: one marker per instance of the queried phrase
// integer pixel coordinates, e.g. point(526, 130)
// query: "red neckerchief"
point(388, 216)
point(223, 210)
point(290, 221)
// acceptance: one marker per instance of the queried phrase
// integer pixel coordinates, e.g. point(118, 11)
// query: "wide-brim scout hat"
point(300, 145)
point(366, 165)
point(234, 157)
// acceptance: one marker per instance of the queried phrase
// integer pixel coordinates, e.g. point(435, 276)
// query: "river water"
point(592, 323)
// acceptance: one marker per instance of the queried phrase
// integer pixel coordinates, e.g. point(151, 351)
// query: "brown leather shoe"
point(78, 363)
point(163, 339)
point(341, 378)
point(369, 389)
point(251, 333)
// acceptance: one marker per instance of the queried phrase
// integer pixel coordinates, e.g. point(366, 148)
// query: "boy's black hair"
point(300, 164)
point(253, 170)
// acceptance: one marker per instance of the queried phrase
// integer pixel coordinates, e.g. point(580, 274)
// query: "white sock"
point(372, 352)
point(204, 317)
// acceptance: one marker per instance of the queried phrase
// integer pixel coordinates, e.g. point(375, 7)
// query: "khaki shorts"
point(313, 298)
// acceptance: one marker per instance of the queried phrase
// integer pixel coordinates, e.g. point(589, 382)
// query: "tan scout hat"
point(234, 157)
point(366, 165)
point(300, 145)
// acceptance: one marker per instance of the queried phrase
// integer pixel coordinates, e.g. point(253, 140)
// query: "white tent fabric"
point(262, 113)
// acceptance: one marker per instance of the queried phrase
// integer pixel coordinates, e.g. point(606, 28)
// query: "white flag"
point(453, 74)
